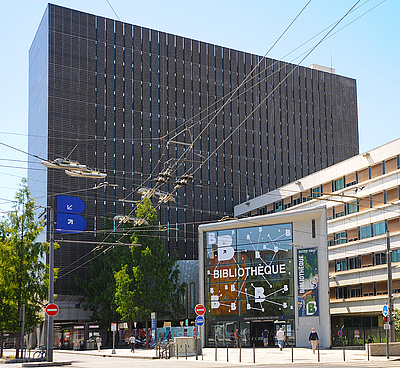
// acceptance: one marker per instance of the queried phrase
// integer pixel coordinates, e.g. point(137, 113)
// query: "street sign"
point(385, 310)
point(200, 309)
point(69, 204)
point(113, 326)
point(52, 310)
point(356, 333)
point(199, 320)
point(70, 223)
point(386, 326)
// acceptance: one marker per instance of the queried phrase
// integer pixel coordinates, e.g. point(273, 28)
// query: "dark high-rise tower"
point(113, 96)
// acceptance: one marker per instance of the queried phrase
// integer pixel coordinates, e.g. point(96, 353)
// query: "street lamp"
point(72, 168)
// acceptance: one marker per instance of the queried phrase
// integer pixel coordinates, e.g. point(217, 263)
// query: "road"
point(264, 358)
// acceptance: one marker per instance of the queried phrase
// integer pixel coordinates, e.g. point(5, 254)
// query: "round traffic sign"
point(340, 333)
point(199, 320)
point(52, 310)
point(356, 332)
point(200, 309)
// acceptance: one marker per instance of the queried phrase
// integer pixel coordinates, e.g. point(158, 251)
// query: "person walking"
point(265, 335)
point(280, 336)
point(132, 342)
point(313, 339)
point(98, 341)
point(236, 335)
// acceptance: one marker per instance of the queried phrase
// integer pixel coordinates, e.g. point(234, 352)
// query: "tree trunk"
point(147, 333)
point(1, 343)
point(17, 344)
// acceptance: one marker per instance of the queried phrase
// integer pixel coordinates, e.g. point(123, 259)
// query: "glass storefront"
point(249, 284)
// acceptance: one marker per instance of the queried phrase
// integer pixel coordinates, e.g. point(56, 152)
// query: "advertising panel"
point(249, 272)
point(307, 273)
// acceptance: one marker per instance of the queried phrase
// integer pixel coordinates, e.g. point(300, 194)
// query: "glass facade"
point(249, 282)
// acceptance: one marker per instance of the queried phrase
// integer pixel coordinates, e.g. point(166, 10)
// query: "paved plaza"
point(225, 358)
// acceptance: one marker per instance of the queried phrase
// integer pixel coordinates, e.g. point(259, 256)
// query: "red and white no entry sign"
point(200, 309)
point(52, 310)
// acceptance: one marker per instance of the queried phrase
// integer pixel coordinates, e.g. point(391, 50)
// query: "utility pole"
point(390, 288)
point(50, 321)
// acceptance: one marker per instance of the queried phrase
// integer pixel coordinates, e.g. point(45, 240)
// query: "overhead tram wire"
point(245, 120)
point(341, 195)
point(292, 71)
point(279, 84)
point(245, 80)
point(272, 65)
point(353, 9)
point(186, 128)
point(167, 98)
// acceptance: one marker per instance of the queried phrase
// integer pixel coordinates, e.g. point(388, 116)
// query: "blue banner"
point(70, 223)
point(70, 204)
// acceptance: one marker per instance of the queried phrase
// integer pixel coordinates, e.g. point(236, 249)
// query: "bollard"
point(368, 350)
point(240, 353)
point(215, 348)
point(177, 352)
point(254, 353)
point(227, 352)
point(318, 351)
point(186, 351)
point(292, 353)
point(344, 353)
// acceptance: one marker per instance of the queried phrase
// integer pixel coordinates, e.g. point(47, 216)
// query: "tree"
point(100, 291)
point(23, 271)
point(150, 281)
point(397, 319)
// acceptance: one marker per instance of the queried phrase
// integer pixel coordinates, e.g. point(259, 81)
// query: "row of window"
point(361, 232)
point(363, 290)
point(348, 180)
point(376, 199)
point(373, 259)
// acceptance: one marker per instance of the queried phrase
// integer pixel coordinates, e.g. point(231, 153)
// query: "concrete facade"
point(362, 199)
point(306, 229)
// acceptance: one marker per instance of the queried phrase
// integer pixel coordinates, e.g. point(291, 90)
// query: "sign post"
point(154, 327)
point(200, 310)
point(50, 322)
point(114, 330)
point(52, 310)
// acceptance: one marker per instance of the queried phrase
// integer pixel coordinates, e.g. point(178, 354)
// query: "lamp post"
point(50, 321)
point(73, 169)
point(390, 288)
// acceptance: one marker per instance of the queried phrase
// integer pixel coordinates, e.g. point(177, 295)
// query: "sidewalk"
point(263, 356)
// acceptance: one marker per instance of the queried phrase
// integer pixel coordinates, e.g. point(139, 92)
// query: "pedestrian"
point(132, 342)
point(98, 342)
point(236, 335)
point(169, 336)
point(280, 336)
point(265, 335)
point(313, 339)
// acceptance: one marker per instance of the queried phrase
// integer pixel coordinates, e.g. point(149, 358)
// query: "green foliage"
point(397, 319)
point(149, 282)
point(100, 291)
point(23, 272)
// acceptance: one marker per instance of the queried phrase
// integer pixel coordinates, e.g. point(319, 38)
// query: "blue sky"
point(367, 50)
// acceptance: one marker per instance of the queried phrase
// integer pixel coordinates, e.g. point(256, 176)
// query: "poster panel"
point(307, 273)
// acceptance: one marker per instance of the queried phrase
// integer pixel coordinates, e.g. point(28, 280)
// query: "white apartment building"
point(362, 199)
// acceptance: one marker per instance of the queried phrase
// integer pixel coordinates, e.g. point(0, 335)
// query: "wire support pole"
point(50, 319)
